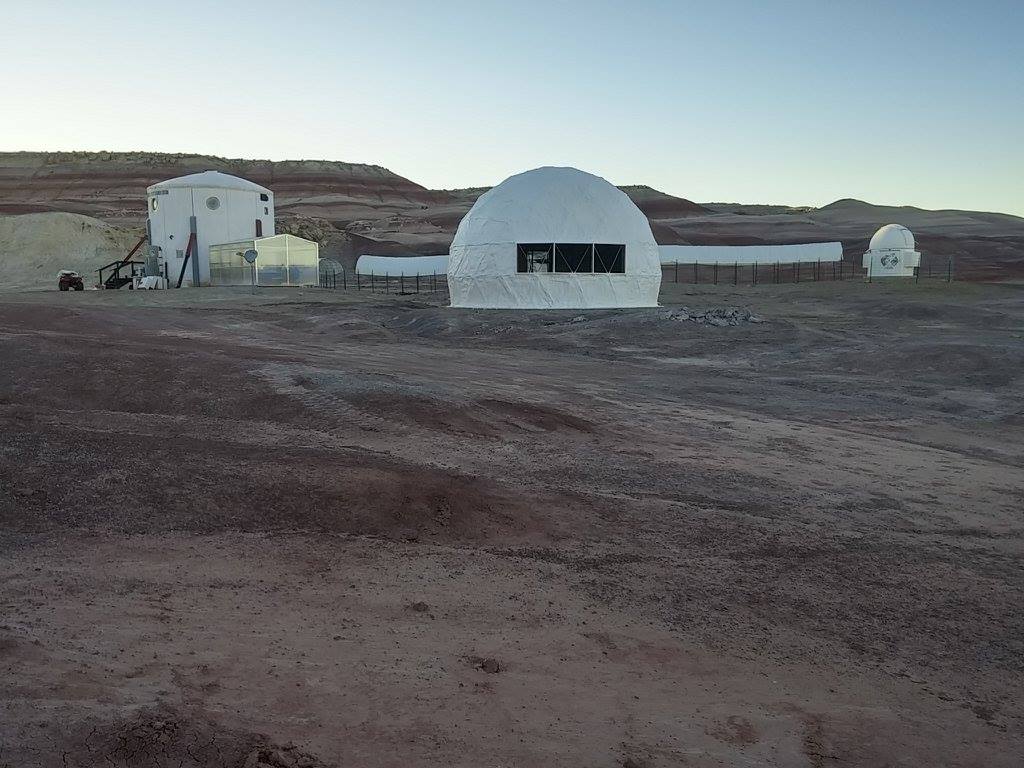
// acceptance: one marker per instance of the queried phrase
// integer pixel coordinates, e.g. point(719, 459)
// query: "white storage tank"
point(190, 213)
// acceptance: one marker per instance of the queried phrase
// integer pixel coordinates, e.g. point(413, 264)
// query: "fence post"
point(753, 274)
point(387, 283)
point(798, 272)
point(735, 273)
point(817, 271)
point(716, 273)
point(401, 282)
point(949, 270)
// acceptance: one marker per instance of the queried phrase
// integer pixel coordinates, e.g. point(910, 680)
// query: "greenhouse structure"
point(281, 260)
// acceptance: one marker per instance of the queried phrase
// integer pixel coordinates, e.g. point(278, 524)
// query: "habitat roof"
point(209, 180)
point(554, 205)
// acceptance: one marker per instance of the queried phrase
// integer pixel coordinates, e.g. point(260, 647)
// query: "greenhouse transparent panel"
point(287, 260)
point(227, 267)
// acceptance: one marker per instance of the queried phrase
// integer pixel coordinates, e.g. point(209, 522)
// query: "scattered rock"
point(718, 317)
point(420, 607)
point(488, 665)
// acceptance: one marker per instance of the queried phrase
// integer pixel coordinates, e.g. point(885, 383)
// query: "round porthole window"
point(213, 203)
point(154, 203)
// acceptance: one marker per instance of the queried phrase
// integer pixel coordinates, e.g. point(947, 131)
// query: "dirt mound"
point(34, 247)
point(163, 737)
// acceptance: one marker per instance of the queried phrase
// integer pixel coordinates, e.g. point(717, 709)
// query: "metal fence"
point(932, 268)
point(401, 284)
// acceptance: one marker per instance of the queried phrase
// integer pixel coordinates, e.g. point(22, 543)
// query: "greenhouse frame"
point(282, 260)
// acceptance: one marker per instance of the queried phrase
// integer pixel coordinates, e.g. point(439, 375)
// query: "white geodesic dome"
point(568, 210)
point(892, 236)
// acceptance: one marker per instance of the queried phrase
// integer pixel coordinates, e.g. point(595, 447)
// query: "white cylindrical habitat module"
point(554, 238)
point(225, 208)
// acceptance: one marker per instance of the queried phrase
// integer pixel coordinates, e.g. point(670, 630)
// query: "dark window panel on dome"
point(534, 257)
point(574, 257)
point(609, 258)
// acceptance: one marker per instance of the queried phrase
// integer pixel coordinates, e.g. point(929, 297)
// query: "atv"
point(69, 280)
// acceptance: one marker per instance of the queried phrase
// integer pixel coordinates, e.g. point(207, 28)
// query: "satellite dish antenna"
point(250, 256)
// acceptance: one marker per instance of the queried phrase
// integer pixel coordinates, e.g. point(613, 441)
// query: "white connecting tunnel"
point(750, 254)
point(395, 266)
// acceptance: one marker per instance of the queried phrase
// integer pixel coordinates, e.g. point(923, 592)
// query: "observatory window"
point(534, 257)
point(259, 228)
point(154, 203)
point(609, 258)
point(264, 197)
point(574, 257)
point(213, 203)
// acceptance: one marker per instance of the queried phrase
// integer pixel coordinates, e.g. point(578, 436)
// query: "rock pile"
point(716, 316)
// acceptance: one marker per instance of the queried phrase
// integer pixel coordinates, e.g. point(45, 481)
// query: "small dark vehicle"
point(69, 280)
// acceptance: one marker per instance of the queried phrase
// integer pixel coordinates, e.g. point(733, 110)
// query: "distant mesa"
point(351, 209)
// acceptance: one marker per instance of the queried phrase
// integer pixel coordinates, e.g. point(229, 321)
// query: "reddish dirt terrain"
point(324, 528)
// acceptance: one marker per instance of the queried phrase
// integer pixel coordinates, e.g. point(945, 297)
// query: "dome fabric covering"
point(552, 206)
point(209, 180)
point(892, 236)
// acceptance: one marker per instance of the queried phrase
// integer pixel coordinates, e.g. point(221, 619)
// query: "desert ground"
point(318, 528)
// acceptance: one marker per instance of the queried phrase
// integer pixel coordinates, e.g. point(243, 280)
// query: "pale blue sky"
point(803, 102)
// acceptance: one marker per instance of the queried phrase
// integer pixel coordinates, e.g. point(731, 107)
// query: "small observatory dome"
point(892, 236)
point(554, 238)
point(891, 253)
